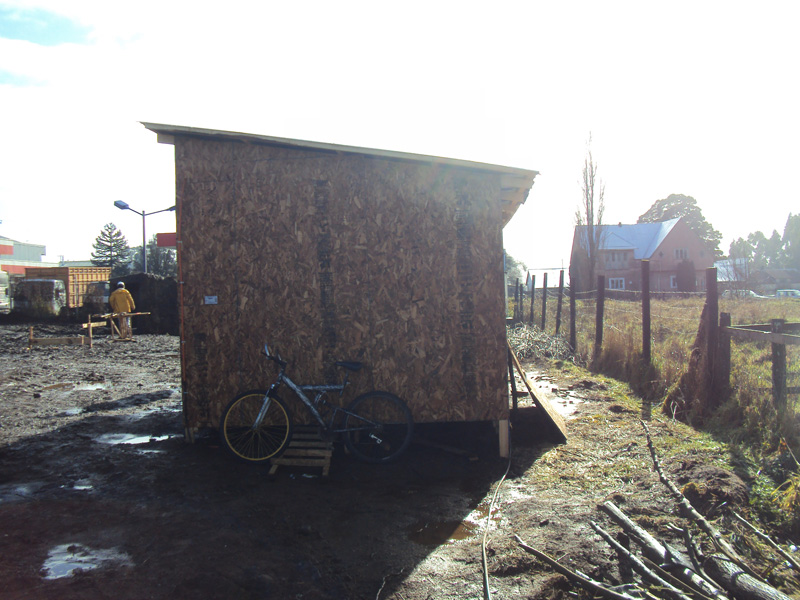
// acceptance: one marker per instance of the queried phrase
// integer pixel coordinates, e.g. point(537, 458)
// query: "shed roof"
point(515, 183)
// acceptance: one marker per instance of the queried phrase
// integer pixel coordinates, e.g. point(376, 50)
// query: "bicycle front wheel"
point(377, 427)
point(248, 440)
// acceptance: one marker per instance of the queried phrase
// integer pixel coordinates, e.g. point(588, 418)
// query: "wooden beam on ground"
point(550, 414)
point(62, 341)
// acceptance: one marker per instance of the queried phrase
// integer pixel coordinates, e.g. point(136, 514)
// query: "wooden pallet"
point(306, 449)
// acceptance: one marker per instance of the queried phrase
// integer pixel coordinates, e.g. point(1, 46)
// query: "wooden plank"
point(306, 453)
point(762, 336)
point(68, 341)
point(767, 326)
point(550, 414)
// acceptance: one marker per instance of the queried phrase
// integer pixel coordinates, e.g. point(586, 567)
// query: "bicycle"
point(257, 425)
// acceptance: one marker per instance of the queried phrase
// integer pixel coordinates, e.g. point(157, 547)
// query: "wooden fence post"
point(778, 368)
point(724, 358)
point(533, 295)
point(517, 304)
point(560, 299)
point(712, 320)
point(544, 300)
point(572, 333)
point(598, 321)
point(646, 353)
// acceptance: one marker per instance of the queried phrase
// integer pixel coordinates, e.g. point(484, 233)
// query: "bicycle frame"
point(319, 390)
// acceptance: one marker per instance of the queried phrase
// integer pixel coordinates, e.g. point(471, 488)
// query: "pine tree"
point(111, 250)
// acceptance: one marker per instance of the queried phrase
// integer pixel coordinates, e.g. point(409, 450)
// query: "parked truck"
point(77, 281)
point(39, 298)
point(5, 298)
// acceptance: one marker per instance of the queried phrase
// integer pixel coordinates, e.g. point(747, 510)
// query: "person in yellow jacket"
point(122, 302)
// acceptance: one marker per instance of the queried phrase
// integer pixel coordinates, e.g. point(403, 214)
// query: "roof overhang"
point(515, 184)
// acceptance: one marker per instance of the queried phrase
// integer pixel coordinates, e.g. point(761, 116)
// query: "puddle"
point(64, 560)
point(18, 491)
point(129, 438)
point(59, 386)
point(438, 533)
point(92, 386)
point(433, 533)
point(83, 484)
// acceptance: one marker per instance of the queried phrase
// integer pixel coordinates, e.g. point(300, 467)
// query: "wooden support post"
point(544, 300)
point(517, 315)
point(572, 333)
point(598, 320)
point(560, 300)
point(646, 352)
point(503, 431)
point(724, 353)
point(712, 329)
point(778, 368)
point(533, 295)
point(513, 383)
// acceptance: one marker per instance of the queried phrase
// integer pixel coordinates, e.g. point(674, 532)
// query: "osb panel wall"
point(340, 257)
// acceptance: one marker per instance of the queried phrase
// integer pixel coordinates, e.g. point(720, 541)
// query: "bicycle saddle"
point(349, 365)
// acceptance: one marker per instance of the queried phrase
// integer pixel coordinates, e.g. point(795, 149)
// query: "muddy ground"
point(101, 497)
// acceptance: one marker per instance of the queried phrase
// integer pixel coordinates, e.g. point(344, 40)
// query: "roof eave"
point(514, 187)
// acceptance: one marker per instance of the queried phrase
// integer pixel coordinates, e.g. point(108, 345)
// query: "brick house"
point(666, 245)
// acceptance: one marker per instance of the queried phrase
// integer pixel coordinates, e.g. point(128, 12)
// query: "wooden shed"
point(335, 253)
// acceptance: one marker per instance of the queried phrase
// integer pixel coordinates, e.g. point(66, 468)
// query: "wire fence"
point(607, 331)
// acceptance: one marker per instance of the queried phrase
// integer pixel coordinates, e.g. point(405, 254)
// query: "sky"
point(700, 98)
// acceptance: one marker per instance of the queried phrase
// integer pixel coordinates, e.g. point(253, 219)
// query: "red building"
point(678, 257)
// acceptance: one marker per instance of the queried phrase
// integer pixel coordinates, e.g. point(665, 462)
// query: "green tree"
point(515, 270)
point(111, 250)
point(589, 215)
point(160, 261)
point(791, 242)
point(766, 251)
point(678, 205)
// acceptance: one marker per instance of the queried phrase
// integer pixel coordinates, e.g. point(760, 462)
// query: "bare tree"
point(589, 215)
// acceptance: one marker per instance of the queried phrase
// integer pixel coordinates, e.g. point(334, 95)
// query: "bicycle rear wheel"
point(377, 427)
point(250, 442)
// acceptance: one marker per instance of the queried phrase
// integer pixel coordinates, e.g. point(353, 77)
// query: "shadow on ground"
point(119, 506)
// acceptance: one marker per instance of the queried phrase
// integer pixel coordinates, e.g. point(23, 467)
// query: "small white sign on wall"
point(210, 300)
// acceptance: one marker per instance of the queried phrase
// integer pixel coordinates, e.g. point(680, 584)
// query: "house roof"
point(515, 183)
point(642, 238)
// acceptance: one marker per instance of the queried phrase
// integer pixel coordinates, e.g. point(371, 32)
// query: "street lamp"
point(120, 204)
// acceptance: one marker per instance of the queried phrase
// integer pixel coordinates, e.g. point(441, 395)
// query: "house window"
point(616, 260)
point(673, 282)
point(681, 254)
point(616, 283)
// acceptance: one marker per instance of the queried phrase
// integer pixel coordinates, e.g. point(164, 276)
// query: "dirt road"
point(101, 497)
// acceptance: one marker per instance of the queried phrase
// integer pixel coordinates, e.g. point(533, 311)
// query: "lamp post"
point(120, 204)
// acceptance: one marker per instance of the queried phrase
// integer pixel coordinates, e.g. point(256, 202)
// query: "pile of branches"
point(664, 572)
point(530, 342)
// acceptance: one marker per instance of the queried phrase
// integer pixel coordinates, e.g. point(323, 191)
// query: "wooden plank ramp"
point(306, 449)
point(550, 414)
